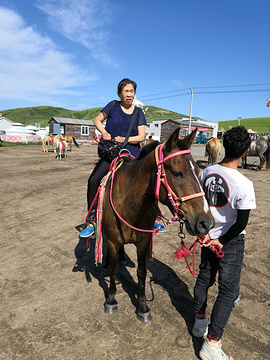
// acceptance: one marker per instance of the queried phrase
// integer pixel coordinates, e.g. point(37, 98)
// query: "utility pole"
point(239, 118)
point(190, 111)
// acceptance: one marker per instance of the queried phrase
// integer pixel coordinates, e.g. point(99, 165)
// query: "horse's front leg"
point(110, 305)
point(244, 162)
point(143, 312)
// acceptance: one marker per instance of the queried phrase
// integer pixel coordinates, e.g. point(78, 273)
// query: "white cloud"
point(31, 65)
point(177, 83)
point(83, 22)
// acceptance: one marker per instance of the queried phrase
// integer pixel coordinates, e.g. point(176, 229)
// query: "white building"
point(208, 128)
point(6, 123)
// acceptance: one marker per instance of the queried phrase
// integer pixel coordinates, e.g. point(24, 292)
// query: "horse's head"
point(182, 178)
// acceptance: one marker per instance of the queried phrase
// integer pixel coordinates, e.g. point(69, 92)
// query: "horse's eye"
point(178, 174)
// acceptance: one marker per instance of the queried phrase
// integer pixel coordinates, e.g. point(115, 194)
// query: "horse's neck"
point(141, 172)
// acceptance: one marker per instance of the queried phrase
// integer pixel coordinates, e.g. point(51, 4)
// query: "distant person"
point(231, 197)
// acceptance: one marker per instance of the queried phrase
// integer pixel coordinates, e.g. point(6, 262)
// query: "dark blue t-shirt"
point(117, 124)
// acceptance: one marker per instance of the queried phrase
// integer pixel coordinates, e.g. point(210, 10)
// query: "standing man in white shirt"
point(230, 196)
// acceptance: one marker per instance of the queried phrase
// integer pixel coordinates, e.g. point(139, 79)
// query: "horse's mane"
point(182, 144)
point(147, 149)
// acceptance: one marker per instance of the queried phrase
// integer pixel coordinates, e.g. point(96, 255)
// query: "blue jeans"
point(229, 269)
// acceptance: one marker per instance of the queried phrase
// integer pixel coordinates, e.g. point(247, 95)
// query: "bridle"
point(161, 178)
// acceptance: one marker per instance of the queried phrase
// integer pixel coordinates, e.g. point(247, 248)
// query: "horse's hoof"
point(144, 317)
point(110, 309)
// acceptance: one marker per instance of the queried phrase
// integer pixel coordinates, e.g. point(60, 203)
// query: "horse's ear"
point(190, 138)
point(170, 143)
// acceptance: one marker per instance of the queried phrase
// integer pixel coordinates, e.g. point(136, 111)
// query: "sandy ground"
point(52, 294)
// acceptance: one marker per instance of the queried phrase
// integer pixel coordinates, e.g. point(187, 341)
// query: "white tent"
point(17, 133)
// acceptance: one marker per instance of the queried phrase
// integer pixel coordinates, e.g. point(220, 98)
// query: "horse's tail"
point(206, 151)
point(267, 156)
point(75, 142)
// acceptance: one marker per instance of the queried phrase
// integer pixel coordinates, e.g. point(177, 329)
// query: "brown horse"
point(51, 139)
point(212, 149)
point(46, 141)
point(132, 194)
point(69, 140)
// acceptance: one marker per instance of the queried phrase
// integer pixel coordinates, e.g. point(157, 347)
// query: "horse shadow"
point(179, 294)
point(86, 263)
point(161, 274)
point(253, 166)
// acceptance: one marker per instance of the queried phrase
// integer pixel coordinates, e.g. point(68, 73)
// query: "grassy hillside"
point(257, 124)
point(42, 114)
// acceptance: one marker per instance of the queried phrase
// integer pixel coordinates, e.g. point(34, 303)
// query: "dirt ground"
point(52, 293)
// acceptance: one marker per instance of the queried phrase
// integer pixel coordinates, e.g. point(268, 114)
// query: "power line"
point(228, 91)
point(223, 86)
point(206, 92)
point(183, 92)
point(148, 97)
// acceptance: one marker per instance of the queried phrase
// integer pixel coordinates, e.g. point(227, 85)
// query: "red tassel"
point(186, 252)
point(181, 252)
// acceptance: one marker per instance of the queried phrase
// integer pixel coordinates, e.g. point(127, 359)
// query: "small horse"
point(69, 139)
point(61, 147)
point(46, 141)
point(259, 148)
point(168, 174)
point(212, 149)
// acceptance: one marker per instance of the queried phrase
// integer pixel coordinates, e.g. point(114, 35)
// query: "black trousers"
point(96, 176)
point(229, 270)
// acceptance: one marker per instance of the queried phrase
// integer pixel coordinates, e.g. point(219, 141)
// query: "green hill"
point(257, 124)
point(42, 114)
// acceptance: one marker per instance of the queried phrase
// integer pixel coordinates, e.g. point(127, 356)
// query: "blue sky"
point(73, 53)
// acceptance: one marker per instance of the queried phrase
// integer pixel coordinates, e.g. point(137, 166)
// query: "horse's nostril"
point(205, 226)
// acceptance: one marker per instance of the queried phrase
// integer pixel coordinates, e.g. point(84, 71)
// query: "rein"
point(184, 252)
point(161, 178)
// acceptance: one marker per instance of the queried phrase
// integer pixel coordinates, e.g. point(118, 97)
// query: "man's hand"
point(212, 243)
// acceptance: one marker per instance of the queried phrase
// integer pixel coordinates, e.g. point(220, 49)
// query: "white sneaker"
point(200, 327)
point(212, 351)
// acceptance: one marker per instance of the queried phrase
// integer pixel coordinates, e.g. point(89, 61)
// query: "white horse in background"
point(61, 147)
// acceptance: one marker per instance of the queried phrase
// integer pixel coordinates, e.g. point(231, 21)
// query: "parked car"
point(201, 139)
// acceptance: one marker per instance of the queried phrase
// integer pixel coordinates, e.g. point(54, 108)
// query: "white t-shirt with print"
point(227, 191)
